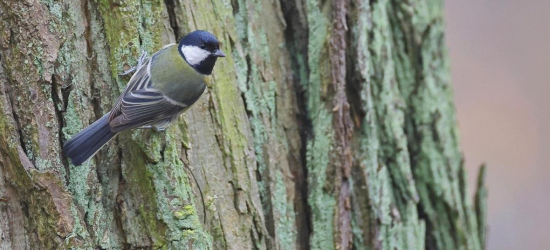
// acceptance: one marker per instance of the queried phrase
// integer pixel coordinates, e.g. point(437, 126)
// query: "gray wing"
point(143, 107)
point(141, 104)
point(140, 80)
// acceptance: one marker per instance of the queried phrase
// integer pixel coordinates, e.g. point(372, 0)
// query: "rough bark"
point(330, 125)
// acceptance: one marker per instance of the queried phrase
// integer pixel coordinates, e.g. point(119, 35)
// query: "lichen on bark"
point(330, 125)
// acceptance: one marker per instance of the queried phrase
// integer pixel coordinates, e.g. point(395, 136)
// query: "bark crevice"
point(16, 117)
point(296, 35)
point(59, 107)
point(341, 122)
point(170, 7)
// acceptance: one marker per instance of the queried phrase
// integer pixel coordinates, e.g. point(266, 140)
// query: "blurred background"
point(500, 65)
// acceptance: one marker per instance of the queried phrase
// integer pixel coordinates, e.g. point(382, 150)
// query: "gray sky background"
point(500, 65)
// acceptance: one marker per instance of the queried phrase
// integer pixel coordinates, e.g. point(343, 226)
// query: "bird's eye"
point(203, 46)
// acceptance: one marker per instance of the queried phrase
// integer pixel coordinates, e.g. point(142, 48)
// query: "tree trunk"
point(330, 125)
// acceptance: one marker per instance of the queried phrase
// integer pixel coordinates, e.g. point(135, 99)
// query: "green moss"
point(39, 203)
point(121, 28)
point(285, 224)
point(187, 210)
point(54, 8)
point(10, 154)
point(167, 210)
point(388, 107)
point(174, 200)
point(321, 198)
point(142, 189)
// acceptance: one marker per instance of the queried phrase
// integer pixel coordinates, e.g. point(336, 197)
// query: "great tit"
point(162, 87)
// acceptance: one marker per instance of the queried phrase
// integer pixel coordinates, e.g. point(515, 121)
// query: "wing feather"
point(143, 107)
point(140, 80)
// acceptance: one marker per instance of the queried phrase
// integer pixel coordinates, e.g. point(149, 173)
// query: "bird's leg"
point(159, 129)
point(155, 127)
point(161, 125)
point(141, 60)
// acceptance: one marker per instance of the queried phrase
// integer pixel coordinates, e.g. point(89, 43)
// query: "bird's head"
point(200, 49)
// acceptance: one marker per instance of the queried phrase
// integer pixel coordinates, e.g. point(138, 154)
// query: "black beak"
point(218, 53)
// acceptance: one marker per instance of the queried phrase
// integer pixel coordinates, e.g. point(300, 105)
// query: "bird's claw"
point(159, 129)
point(141, 60)
point(127, 72)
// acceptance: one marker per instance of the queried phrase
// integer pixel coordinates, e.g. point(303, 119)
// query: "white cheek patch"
point(193, 54)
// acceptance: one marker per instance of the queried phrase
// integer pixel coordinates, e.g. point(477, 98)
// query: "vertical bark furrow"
point(366, 213)
point(265, 78)
point(296, 35)
point(343, 127)
point(172, 17)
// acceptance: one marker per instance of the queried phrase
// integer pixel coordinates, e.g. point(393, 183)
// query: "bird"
point(160, 90)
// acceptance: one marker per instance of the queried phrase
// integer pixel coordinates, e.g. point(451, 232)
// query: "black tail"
point(86, 143)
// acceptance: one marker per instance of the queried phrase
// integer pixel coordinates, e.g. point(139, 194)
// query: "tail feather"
point(87, 142)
